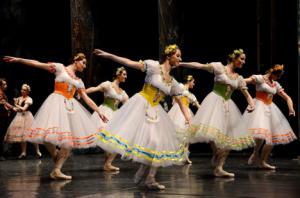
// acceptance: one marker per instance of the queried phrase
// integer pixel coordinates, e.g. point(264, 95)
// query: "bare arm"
point(184, 110)
point(95, 89)
point(249, 99)
point(91, 104)
point(250, 80)
point(196, 65)
point(289, 102)
point(19, 108)
point(122, 60)
point(28, 62)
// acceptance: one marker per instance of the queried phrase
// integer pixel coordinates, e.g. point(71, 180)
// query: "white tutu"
point(149, 139)
point(64, 123)
point(215, 121)
point(268, 123)
point(108, 112)
point(179, 121)
point(16, 130)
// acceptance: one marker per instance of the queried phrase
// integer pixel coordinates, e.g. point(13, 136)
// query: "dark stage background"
point(209, 30)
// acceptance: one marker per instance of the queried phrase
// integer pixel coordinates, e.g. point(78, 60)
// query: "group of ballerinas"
point(142, 131)
point(22, 120)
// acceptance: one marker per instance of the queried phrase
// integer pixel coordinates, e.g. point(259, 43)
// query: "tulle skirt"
point(108, 112)
point(143, 134)
point(62, 122)
point(16, 130)
point(179, 121)
point(268, 123)
point(216, 120)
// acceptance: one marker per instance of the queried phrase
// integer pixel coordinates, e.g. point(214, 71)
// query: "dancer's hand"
point(292, 112)
point(99, 52)
point(10, 59)
point(103, 117)
point(250, 108)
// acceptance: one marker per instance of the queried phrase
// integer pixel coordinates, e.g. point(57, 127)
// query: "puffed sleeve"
point(192, 98)
point(176, 89)
point(56, 68)
point(278, 87)
point(105, 85)
point(29, 101)
point(216, 67)
point(242, 85)
point(258, 79)
point(80, 85)
point(151, 66)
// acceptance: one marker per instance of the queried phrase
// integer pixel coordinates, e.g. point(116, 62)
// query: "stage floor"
point(30, 178)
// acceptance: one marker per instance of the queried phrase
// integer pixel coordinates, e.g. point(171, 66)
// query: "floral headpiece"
point(170, 49)
point(236, 53)
point(189, 78)
point(27, 87)
point(79, 56)
point(277, 68)
point(120, 70)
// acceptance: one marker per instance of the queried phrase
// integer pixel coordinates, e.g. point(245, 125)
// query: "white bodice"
point(263, 86)
point(191, 97)
point(221, 77)
point(110, 92)
point(62, 76)
point(155, 78)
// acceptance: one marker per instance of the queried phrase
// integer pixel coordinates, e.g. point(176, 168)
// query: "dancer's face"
point(24, 91)
point(4, 85)
point(80, 65)
point(191, 84)
point(122, 76)
point(175, 58)
point(238, 62)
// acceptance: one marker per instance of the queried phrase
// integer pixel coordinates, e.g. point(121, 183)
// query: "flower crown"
point(189, 78)
point(120, 70)
point(27, 87)
point(236, 53)
point(170, 49)
point(277, 68)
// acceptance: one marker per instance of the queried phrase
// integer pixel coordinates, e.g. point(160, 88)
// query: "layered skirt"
point(63, 122)
point(216, 120)
point(142, 133)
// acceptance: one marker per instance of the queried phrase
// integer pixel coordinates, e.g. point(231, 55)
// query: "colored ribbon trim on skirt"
point(139, 151)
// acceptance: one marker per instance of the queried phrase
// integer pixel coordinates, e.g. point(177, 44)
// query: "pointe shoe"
point(155, 186)
point(222, 173)
point(59, 175)
point(110, 168)
point(22, 156)
point(267, 166)
point(38, 154)
point(253, 160)
point(188, 161)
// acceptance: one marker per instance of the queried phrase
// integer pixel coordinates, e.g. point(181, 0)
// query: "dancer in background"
point(22, 122)
point(266, 123)
point(61, 120)
point(141, 130)
point(177, 117)
point(218, 115)
point(113, 96)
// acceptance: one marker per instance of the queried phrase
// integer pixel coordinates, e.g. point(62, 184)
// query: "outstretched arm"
point(249, 99)
point(28, 62)
point(250, 80)
point(289, 102)
point(196, 65)
point(91, 104)
point(100, 88)
point(122, 60)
